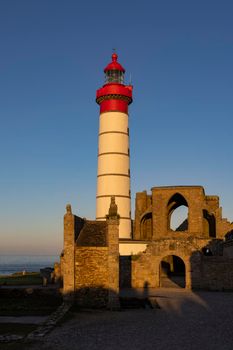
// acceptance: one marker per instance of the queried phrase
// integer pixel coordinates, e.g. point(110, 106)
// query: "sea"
point(30, 263)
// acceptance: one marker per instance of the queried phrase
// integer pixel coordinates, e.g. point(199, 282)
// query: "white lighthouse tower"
point(113, 177)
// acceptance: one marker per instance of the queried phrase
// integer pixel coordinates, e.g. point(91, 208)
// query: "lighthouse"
point(113, 175)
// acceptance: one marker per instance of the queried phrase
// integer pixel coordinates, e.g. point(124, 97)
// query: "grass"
point(19, 279)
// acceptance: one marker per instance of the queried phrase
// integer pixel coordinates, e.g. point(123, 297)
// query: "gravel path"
point(185, 320)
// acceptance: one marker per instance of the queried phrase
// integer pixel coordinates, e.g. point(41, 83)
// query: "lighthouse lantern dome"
point(114, 72)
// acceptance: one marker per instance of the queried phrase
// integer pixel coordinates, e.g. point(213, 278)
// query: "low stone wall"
point(202, 272)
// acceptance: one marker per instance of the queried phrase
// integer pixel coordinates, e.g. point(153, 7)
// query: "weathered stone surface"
point(204, 219)
point(90, 260)
point(68, 253)
point(200, 235)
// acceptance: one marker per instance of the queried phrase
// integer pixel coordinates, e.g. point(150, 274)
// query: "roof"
point(114, 65)
point(93, 234)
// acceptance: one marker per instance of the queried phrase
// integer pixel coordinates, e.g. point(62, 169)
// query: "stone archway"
point(177, 213)
point(146, 226)
point(172, 272)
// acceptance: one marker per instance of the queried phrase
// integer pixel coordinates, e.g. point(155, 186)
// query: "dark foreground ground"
point(185, 320)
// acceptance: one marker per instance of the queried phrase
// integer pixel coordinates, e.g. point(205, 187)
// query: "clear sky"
point(52, 56)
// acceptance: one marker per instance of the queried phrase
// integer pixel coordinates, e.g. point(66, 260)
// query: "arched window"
point(177, 213)
point(209, 224)
point(146, 226)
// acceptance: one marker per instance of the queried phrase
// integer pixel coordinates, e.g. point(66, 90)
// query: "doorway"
point(172, 272)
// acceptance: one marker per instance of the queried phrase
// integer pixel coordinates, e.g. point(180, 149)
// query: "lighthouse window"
point(114, 76)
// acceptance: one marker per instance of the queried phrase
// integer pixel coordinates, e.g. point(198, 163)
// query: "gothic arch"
point(176, 201)
point(146, 225)
point(209, 224)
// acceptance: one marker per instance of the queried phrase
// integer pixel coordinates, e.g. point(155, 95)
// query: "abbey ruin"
point(198, 255)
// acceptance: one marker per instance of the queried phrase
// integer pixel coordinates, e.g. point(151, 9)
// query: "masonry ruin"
point(198, 254)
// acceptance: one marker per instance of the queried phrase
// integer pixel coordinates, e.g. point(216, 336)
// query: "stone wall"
point(153, 213)
point(217, 273)
point(228, 249)
point(201, 272)
point(142, 206)
point(145, 268)
point(90, 260)
point(68, 253)
point(113, 257)
point(165, 199)
point(91, 276)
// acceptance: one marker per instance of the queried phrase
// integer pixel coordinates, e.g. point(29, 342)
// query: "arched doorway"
point(172, 272)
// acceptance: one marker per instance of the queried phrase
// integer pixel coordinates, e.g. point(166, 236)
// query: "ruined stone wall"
point(194, 197)
point(145, 267)
point(201, 272)
point(91, 276)
point(223, 225)
point(153, 214)
point(212, 203)
point(144, 271)
point(142, 205)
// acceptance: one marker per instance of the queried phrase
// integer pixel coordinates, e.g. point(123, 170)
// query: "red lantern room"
point(114, 72)
point(114, 95)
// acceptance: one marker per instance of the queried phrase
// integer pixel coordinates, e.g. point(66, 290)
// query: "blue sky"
point(53, 52)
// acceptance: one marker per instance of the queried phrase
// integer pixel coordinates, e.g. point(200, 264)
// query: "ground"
point(185, 320)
